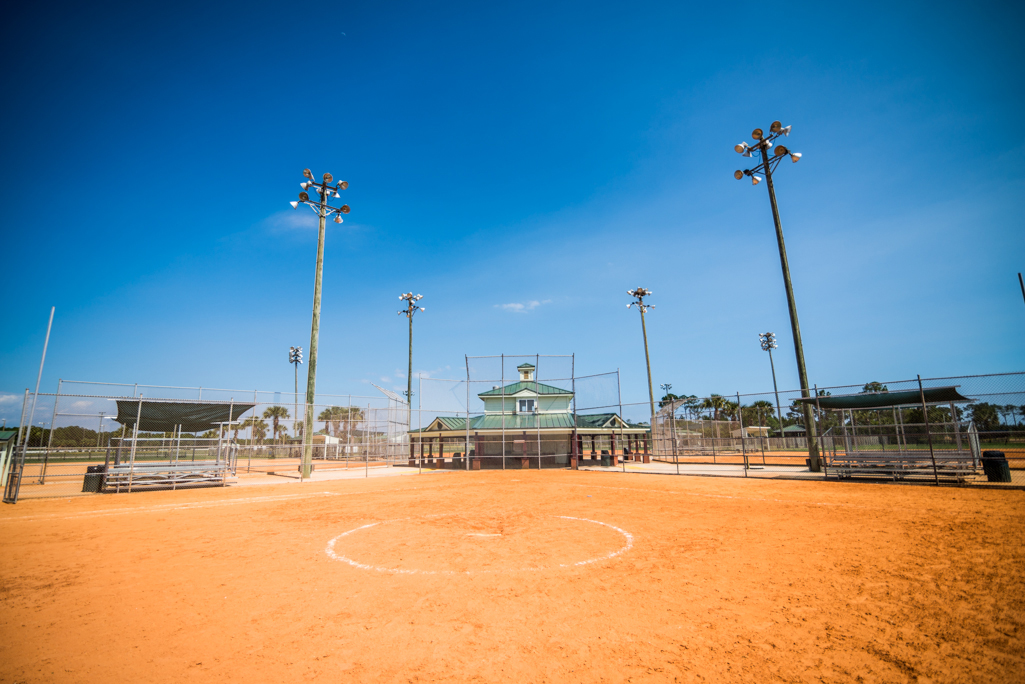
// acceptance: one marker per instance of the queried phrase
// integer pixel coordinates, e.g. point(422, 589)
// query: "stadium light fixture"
point(767, 167)
point(323, 210)
point(411, 308)
point(639, 294)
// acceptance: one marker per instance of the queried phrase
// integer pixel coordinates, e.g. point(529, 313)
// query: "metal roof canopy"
point(933, 395)
point(166, 416)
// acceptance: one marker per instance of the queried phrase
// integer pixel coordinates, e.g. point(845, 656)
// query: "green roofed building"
point(527, 424)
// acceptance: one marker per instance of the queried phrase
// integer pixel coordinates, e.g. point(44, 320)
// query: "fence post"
point(743, 445)
point(818, 428)
point(135, 439)
point(13, 470)
point(928, 434)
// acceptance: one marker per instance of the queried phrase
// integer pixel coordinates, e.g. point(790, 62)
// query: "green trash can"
point(996, 467)
point(93, 481)
point(606, 459)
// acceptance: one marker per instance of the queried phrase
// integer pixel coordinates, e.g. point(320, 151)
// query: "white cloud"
point(522, 307)
point(290, 220)
point(9, 398)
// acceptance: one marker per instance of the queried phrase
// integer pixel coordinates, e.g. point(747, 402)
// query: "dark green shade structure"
point(933, 395)
point(166, 416)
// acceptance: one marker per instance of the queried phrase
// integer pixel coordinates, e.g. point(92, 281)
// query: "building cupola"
point(526, 372)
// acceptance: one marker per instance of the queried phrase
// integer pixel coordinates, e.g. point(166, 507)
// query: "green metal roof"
point(530, 421)
point(870, 400)
point(7, 434)
point(540, 387)
point(525, 365)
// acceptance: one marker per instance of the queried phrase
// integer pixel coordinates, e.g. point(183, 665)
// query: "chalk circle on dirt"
point(468, 544)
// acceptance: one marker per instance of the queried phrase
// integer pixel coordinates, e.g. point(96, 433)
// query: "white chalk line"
point(330, 551)
point(158, 508)
point(723, 496)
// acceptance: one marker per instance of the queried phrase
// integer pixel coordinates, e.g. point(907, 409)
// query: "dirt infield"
point(519, 576)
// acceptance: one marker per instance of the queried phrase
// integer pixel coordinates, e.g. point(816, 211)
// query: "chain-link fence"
point(131, 437)
point(955, 430)
point(514, 412)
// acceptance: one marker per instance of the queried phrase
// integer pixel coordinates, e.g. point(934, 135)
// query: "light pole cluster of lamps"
point(767, 148)
point(411, 308)
point(761, 148)
point(324, 190)
point(639, 294)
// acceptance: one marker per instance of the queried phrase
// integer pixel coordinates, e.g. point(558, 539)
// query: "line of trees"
point(338, 421)
point(987, 417)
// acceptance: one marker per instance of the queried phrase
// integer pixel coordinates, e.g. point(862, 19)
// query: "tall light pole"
point(295, 357)
point(639, 294)
point(762, 144)
point(411, 308)
point(323, 210)
point(768, 341)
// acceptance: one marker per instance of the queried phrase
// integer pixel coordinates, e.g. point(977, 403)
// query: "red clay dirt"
point(522, 576)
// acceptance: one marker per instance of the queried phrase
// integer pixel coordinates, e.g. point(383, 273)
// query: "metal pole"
point(647, 362)
point(419, 423)
point(503, 411)
point(775, 389)
point(13, 482)
point(35, 398)
point(311, 379)
point(619, 395)
point(928, 434)
point(818, 411)
point(743, 446)
point(295, 405)
point(795, 326)
point(573, 388)
point(537, 408)
point(135, 440)
point(466, 448)
point(1021, 283)
point(409, 377)
point(366, 452)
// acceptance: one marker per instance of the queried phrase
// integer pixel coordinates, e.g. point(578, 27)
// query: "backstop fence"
point(513, 412)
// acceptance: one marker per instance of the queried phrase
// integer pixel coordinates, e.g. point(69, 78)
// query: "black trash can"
point(996, 467)
point(93, 481)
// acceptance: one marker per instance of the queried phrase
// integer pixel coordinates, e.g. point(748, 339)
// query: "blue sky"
point(522, 166)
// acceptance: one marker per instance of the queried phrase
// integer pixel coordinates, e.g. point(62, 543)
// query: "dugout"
point(901, 435)
point(169, 460)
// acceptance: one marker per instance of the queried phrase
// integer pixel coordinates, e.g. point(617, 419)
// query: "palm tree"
point(763, 409)
point(339, 419)
point(1012, 411)
point(258, 426)
point(276, 413)
point(716, 403)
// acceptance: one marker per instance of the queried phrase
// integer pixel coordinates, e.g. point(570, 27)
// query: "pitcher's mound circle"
point(465, 544)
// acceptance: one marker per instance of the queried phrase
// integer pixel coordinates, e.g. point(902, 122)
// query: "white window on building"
point(526, 406)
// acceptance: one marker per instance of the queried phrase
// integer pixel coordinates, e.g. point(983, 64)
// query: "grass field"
point(518, 576)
